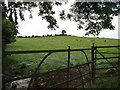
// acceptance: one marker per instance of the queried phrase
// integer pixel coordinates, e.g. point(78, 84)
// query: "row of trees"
point(42, 36)
point(62, 34)
point(98, 15)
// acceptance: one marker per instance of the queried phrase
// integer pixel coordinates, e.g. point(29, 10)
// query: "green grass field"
point(58, 42)
point(26, 63)
point(22, 64)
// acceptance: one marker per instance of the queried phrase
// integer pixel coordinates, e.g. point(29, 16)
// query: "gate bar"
point(106, 46)
point(107, 59)
point(42, 51)
point(68, 66)
point(93, 64)
point(33, 76)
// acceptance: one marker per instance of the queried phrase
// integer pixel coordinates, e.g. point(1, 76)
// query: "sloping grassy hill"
point(58, 42)
point(26, 63)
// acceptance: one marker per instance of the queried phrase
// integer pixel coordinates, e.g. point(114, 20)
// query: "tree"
point(63, 32)
point(98, 15)
point(14, 10)
point(94, 16)
point(9, 31)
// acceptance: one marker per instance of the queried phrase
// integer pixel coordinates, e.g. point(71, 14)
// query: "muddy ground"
point(56, 79)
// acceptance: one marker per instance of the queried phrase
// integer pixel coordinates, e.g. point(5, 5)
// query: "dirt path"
point(56, 78)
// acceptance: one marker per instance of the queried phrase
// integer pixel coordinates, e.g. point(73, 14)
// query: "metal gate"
point(105, 63)
point(69, 77)
point(73, 76)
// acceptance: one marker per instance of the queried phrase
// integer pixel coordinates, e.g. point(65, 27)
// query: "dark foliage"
point(91, 16)
point(63, 32)
point(9, 31)
point(97, 15)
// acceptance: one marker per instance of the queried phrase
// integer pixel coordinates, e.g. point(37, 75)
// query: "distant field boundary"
point(91, 65)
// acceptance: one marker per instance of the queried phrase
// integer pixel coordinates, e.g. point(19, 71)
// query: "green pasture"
point(26, 63)
point(58, 42)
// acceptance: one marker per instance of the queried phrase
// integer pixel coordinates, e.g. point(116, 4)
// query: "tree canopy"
point(63, 32)
point(91, 16)
point(9, 31)
point(17, 9)
point(13, 10)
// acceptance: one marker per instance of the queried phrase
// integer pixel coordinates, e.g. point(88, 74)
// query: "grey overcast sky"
point(37, 26)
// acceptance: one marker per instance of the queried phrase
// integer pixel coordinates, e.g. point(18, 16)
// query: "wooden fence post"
point(93, 65)
point(68, 66)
